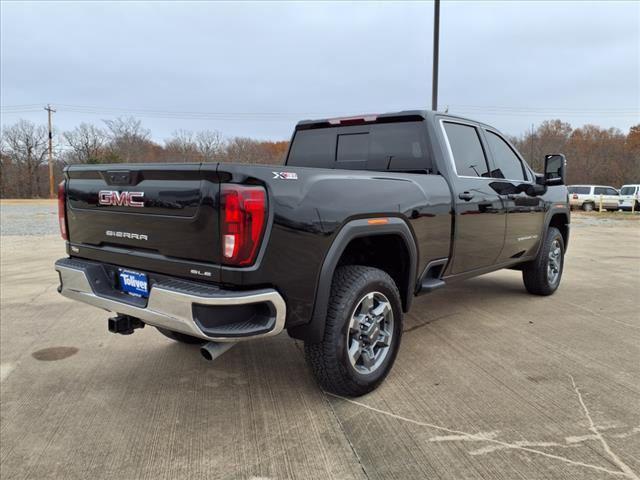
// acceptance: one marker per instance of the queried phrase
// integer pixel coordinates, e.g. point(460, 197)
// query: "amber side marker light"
point(377, 221)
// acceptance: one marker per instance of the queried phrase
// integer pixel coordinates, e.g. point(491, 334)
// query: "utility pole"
point(532, 161)
point(436, 42)
point(52, 192)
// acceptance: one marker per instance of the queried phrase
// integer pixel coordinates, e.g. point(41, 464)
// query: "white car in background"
point(587, 197)
point(630, 196)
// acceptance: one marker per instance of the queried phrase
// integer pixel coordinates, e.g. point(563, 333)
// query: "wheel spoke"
point(355, 351)
point(381, 310)
point(367, 303)
point(368, 358)
point(384, 339)
point(354, 325)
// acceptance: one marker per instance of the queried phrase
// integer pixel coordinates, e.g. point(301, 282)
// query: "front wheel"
point(362, 332)
point(542, 275)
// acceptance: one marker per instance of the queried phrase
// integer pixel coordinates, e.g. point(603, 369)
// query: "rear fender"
point(314, 331)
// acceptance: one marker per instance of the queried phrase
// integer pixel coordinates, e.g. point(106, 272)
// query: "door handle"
point(466, 196)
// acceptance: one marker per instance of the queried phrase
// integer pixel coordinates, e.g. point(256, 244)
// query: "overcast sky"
point(254, 69)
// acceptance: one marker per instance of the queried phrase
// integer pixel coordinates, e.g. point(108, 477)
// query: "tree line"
point(24, 171)
point(594, 154)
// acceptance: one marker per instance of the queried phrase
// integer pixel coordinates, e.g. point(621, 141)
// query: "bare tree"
point(86, 142)
point(210, 145)
point(182, 147)
point(242, 150)
point(24, 145)
point(129, 140)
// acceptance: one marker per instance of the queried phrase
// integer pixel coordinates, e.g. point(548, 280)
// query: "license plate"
point(134, 283)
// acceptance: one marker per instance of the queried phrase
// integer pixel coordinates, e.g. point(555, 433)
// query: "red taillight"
point(62, 213)
point(243, 215)
point(575, 196)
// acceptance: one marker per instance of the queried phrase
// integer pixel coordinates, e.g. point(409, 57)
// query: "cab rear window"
point(400, 146)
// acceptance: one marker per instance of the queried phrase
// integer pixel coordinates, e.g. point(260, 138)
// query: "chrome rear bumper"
point(171, 303)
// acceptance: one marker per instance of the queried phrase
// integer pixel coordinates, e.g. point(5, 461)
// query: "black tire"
point(181, 337)
point(537, 275)
point(329, 360)
point(587, 207)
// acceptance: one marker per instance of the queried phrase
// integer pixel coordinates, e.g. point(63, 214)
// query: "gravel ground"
point(29, 218)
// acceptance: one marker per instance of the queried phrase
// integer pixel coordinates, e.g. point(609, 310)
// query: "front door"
point(525, 213)
point(480, 214)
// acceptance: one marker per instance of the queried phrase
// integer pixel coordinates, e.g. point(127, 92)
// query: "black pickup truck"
point(366, 213)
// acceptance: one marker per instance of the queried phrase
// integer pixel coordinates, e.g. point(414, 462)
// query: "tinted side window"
point(508, 165)
point(612, 191)
point(468, 154)
point(600, 191)
point(398, 146)
point(313, 148)
point(580, 190)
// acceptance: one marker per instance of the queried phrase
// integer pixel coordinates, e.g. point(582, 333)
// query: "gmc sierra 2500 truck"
point(366, 213)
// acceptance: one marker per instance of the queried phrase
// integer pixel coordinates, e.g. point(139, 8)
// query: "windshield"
point(628, 190)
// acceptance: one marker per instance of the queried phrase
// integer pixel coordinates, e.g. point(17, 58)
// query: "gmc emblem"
point(121, 199)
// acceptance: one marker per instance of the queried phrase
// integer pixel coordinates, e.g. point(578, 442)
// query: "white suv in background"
point(630, 194)
point(587, 197)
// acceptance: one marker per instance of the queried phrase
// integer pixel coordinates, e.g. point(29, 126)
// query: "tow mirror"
point(554, 169)
point(535, 190)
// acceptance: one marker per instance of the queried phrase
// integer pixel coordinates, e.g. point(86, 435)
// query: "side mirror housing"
point(535, 190)
point(554, 169)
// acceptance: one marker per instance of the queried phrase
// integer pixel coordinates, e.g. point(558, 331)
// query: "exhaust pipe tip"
point(212, 350)
point(205, 353)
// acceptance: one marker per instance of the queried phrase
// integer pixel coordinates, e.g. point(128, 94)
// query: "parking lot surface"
point(490, 383)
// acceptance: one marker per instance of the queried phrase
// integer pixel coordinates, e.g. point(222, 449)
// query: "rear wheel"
point(362, 332)
point(181, 337)
point(542, 275)
point(587, 207)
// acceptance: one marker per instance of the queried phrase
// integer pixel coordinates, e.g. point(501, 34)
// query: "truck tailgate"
point(163, 211)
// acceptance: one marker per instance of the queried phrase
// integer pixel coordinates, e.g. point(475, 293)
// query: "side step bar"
point(431, 277)
point(430, 284)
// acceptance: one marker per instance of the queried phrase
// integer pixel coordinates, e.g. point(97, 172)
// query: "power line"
point(546, 109)
point(494, 110)
point(455, 111)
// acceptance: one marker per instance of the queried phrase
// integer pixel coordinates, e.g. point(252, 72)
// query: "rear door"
point(610, 197)
point(480, 214)
point(525, 213)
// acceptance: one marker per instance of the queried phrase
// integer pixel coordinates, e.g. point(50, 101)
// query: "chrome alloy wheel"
point(555, 262)
point(370, 332)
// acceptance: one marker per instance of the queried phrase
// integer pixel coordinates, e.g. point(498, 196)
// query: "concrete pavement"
point(490, 383)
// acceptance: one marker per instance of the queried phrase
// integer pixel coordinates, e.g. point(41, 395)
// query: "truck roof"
point(367, 118)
